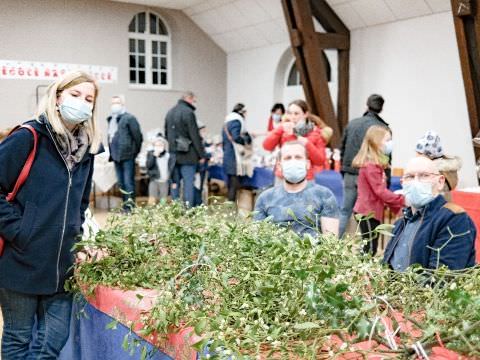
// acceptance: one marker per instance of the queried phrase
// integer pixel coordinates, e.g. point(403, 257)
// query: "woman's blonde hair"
point(371, 150)
point(48, 107)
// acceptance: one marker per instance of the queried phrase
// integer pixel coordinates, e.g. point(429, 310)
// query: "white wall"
point(96, 32)
point(251, 80)
point(415, 65)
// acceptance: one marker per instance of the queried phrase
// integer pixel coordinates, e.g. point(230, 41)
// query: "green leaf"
point(125, 342)
point(200, 345)
point(200, 326)
point(306, 326)
point(144, 353)
point(112, 325)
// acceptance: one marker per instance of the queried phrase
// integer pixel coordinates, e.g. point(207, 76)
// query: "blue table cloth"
point(262, 177)
point(90, 339)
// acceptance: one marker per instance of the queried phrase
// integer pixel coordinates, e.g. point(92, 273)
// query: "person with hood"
point(157, 170)
point(299, 124)
point(44, 221)
point(234, 134)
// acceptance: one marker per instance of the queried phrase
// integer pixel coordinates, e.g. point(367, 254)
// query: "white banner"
point(35, 70)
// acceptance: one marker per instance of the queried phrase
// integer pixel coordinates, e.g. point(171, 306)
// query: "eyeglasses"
point(422, 176)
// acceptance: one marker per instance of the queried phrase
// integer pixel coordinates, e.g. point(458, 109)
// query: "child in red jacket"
point(300, 125)
point(373, 195)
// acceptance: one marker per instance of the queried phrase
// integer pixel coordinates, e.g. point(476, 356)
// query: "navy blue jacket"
point(234, 128)
point(438, 219)
point(44, 221)
point(127, 142)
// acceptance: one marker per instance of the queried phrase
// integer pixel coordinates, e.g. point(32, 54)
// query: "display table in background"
point(469, 199)
point(264, 177)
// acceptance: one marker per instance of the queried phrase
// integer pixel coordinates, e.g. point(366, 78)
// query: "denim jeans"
point(187, 174)
point(349, 199)
point(36, 327)
point(126, 181)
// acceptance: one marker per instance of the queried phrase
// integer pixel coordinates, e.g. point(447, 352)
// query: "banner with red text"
point(35, 70)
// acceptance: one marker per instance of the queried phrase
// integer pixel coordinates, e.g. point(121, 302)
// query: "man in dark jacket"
point(125, 141)
point(185, 146)
point(432, 232)
point(352, 141)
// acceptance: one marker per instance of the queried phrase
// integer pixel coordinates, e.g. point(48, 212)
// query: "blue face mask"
point(75, 111)
point(418, 194)
point(388, 147)
point(276, 118)
point(294, 171)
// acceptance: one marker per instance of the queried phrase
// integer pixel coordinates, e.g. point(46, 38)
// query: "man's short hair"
point(121, 97)
point(187, 94)
point(291, 143)
point(375, 103)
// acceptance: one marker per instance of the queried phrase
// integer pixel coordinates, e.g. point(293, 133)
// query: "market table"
point(262, 177)
point(91, 336)
point(469, 199)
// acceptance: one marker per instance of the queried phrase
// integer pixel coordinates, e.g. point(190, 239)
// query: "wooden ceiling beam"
point(466, 18)
point(328, 18)
point(333, 41)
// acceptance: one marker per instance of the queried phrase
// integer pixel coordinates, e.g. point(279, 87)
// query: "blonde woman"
point(44, 221)
point(373, 194)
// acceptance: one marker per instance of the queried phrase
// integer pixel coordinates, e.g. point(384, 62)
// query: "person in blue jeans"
point(43, 223)
point(185, 146)
point(125, 141)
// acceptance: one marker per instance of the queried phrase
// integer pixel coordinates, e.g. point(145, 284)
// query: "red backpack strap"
point(28, 163)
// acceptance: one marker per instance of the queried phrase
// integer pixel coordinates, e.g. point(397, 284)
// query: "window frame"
point(148, 38)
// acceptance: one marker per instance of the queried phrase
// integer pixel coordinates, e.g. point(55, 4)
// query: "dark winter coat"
point(234, 127)
point(438, 219)
point(127, 142)
point(353, 137)
point(181, 122)
point(44, 221)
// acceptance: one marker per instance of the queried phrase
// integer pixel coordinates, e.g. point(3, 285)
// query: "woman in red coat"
point(373, 195)
point(300, 125)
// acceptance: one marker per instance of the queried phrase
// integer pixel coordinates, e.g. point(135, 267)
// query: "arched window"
point(149, 51)
point(294, 79)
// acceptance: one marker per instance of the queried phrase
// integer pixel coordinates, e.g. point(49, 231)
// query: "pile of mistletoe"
point(254, 290)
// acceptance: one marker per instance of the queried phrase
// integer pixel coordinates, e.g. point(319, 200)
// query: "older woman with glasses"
point(432, 231)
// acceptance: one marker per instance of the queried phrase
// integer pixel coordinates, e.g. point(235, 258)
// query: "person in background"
point(373, 194)
point(430, 146)
point(203, 167)
point(299, 124)
point(432, 231)
point(278, 110)
point(351, 142)
point(41, 226)
point(157, 170)
point(185, 146)
point(125, 142)
point(234, 132)
point(297, 195)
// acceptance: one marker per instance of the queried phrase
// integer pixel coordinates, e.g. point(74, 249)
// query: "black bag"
point(182, 144)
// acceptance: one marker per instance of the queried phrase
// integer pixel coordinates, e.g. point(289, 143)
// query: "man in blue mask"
point(432, 232)
point(303, 206)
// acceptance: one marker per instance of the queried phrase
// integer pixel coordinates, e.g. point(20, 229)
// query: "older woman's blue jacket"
point(44, 221)
point(446, 236)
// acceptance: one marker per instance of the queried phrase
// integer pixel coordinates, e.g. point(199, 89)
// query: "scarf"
point(73, 145)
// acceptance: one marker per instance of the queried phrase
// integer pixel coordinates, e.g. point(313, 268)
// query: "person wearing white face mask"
point(297, 195)
point(125, 142)
point(157, 170)
point(373, 194)
point(432, 232)
point(41, 225)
